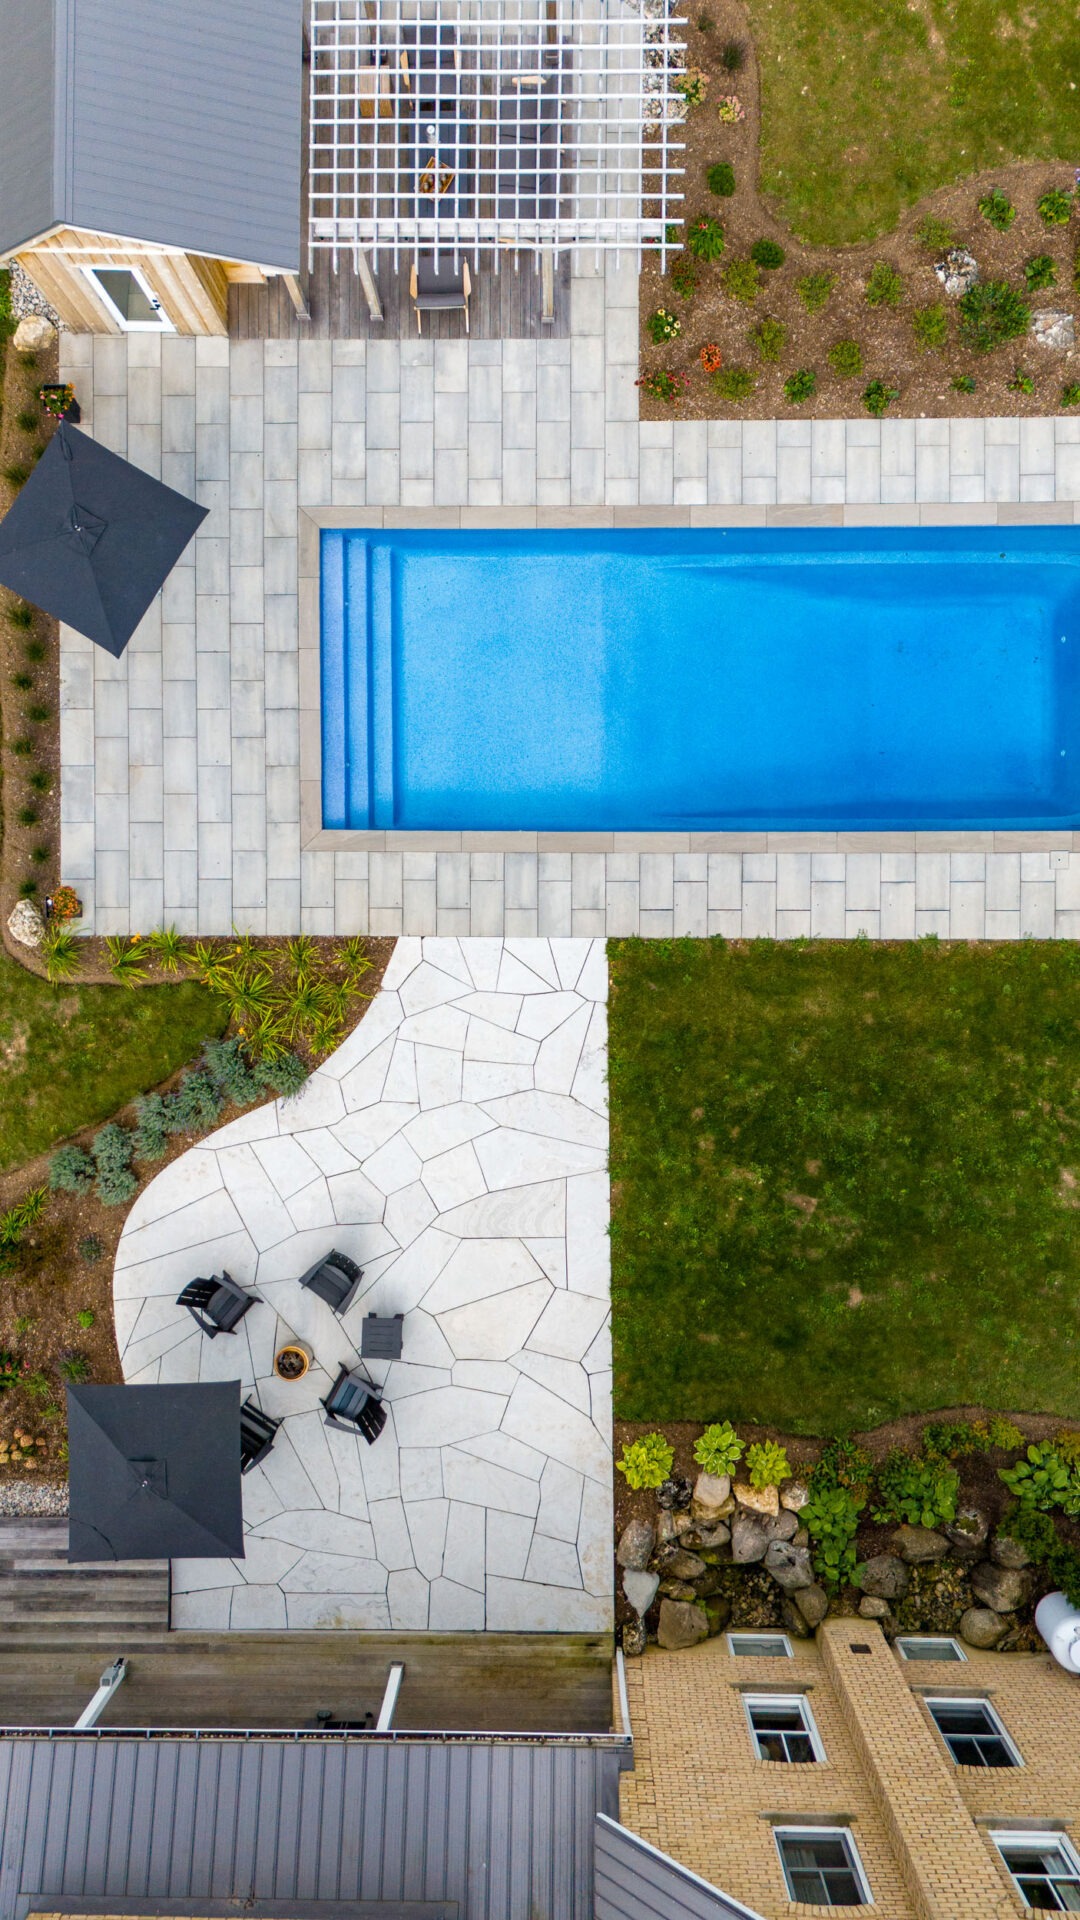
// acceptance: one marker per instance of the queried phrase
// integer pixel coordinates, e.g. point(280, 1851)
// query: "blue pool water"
point(668, 679)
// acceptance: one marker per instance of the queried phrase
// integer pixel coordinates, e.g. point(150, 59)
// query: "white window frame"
point(801, 1704)
point(749, 1633)
point(972, 1700)
point(162, 325)
point(904, 1640)
point(843, 1834)
point(1061, 1841)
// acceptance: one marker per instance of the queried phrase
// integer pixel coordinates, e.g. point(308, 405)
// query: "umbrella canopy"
point(91, 539)
point(154, 1472)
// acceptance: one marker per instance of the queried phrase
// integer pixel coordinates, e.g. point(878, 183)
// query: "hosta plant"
point(916, 1490)
point(1055, 207)
point(719, 1449)
point(997, 209)
point(1043, 1479)
point(766, 1464)
point(831, 1517)
point(646, 1462)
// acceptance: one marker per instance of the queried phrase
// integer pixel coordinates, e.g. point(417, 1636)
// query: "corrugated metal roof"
point(506, 1830)
point(173, 121)
point(634, 1881)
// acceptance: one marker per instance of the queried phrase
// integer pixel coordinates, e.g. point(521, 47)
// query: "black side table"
point(380, 1336)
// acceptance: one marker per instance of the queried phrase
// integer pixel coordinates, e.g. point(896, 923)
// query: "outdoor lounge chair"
point(435, 286)
point(334, 1279)
point(353, 1405)
point(257, 1432)
point(216, 1305)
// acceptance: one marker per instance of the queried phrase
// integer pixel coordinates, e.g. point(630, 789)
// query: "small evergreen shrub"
point(71, 1170)
point(285, 1076)
point(878, 398)
point(240, 1082)
point(814, 290)
point(845, 359)
point(935, 235)
point(930, 326)
point(768, 254)
point(705, 238)
point(151, 1140)
point(740, 281)
point(998, 209)
point(719, 1449)
point(766, 1464)
point(992, 312)
point(646, 1462)
point(91, 1249)
point(1055, 207)
point(721, 179)
point(662, 326)
point(769, 337)
point(112, 1146)
point(116, 1186)
point(195, 1105)
point(800, 385)
point(735, 383)
point(884, 287)
point(1039, 272)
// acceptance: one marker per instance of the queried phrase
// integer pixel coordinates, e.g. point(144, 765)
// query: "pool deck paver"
point(456, 1146)
point(181, 793)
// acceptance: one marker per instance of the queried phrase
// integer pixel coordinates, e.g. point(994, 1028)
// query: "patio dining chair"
point(216, 1305)
point(353, 1404)
point(436, 286)
point(257, 1432)
point(334, 1279)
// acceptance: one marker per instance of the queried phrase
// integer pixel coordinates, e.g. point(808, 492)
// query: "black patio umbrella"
point(154, 1472)
point(91, 539)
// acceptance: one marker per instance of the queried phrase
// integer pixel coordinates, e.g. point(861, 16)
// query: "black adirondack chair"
point(216, 1305)
point(257, 1432)
point(353, 1404)
point(334, 1279)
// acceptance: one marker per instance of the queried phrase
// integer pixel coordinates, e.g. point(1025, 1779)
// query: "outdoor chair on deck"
point(435, 286)
point(334, 1279)
point(217, 1305)
point(353, 1405)
point(257, 1432)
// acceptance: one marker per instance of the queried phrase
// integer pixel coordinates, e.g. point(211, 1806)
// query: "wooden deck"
point(504, 306)
point(478, 1682)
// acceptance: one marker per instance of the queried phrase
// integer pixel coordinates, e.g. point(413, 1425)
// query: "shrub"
point(41, 855)
point(1055, 207)
point(683, 276)
point(730, 110)
point(16, 473)
point(733, 56)
point(167, 948)
point(740, 280)
point(768, 254)
point(831, 1518)
point(719, 1449)
point(240, 1082)
point(735, 383)
point(73, 1367)
point(951, 1439)
point(195, 1105)
point(769, 337)
point(991, 312)
point(71, 1170)
point(845, 358)
point(877, 397)
point(705, 23)
point(931, 327)
point(1021, 382)
point(91, 1249)
point(125, 959)
point(919, 1491)
point(116, 1186)
point(721, 179)
point(1070, 394)
point(1039, 272)
point(7, 318)
point(814, 290)
point(664, 385)
point(22, 746)
point(1004, 1433)
point(884, 287)
point(284, 1076)
point(1038, 1534)
point(112, 1148)
point(693, 85)
point(21, 615)
point(60, 950)
point(766, 1464)
point(964, 383)
point(646, 1462)
point(800, 385)
point(705, 238)
point(662, 326)
point(935, 235)
point(844, 1463)
point(1043, 1479)
point(151, 1140)
point(85, 1319)
point(998, 209)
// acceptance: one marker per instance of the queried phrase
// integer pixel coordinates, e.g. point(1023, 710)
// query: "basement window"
point(1046, 1870)
point(928, 1646)
point(783, 1728)
point(973, 1733)
point(822, 1867)
point(761, 1646)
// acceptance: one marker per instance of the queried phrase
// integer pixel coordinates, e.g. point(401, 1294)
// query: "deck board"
point(505, 305)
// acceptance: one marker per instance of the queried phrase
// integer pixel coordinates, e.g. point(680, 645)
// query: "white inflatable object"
point(1059, 1624)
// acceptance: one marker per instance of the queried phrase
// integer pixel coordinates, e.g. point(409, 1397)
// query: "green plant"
point(22, 746)
point(41, 854)
point(151, 1141)
point(831, 1518)
point(61, 951)
point(231, 1072)
point(22, 682)
point(769, 337)
point(16, 473)
point(664, 385)
point(768, 254)
point(739, 280)
point(720, 179)
point(705, 238)
point(353, 958)
point(1055, 207)
point(12, 1371)
point(718, 1450)
point(1038, 1534)
point(40, 780)
point(73, 1367)
point(27, 816)
point(195, 1105)
point(766, 1464)
point(884, 286)
point(730, 110)
point(662, 325)
point(705, 23)
point(285, 1075)
point(733, 56)
point(845, 359)
point(646, 1462)
point(1021, 382)
point(935, 235)
point(930, 326)
point(167, 947)
point(7, 318)
point(85, 1319)
point(814, 290)
point(843, 1463)
point(877, 397)
point(800, 385)
point(693, 85)
point(24, 1324)
point(71, 1170)
point(126, 959)
point(15, 1221)
point(963, 383)
point(683, 276)
point(112, 1149)
point(91, 1249)
point(914, 1489)
point(991, 312)
point(116, 1187)
point(998, 209)
point(735, 383)
point(1039, 272)
point(1004, 1433)
point(38, 714)
point(1070, 394)
point(21, 615)
point(1043, 1479)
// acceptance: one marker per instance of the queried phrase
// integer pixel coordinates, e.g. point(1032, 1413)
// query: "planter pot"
point(72, 411)
point(291, 1362)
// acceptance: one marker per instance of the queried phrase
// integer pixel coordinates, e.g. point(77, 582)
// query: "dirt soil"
point(885, 335)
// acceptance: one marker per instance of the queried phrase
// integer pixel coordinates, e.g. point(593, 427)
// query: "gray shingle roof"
point(174, 121)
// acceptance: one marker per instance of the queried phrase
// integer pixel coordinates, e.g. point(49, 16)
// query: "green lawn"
point(846, 1180)
point(71, 1055)
point(867, 105)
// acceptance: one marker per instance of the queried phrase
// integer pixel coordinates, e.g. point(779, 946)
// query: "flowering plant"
point(57, 397)
point(663, 325)
point(693, 86)
point(731, 109)
point(664, 385)
point(64, 904)
point(711, 358)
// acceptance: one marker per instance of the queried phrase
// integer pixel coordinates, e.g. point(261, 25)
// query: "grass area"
point(71, 1056)
point(846, 1180)
point(867, 108)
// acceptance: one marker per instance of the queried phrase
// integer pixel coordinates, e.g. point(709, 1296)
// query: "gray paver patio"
point(456, 1146)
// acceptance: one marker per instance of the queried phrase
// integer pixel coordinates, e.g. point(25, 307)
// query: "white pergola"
point(522, 126)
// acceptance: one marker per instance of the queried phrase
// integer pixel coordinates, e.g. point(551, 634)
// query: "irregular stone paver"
point(456, 1146)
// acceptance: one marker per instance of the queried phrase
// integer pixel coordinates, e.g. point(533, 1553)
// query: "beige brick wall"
point(921, 1824)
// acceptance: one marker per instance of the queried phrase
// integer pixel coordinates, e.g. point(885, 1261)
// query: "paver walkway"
point(455, 1145)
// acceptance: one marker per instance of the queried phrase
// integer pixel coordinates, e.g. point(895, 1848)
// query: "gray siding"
point(505, 1830)
point(635, 1882)
point(176, 121)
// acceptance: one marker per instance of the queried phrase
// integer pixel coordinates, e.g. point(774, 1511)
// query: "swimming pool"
point(668, 679)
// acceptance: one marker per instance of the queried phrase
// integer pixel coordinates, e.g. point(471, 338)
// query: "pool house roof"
point(518, 125)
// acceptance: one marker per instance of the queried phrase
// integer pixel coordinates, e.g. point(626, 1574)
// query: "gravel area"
point(27, 297)
point(44, 1497)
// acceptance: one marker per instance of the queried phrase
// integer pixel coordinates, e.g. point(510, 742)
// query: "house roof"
point(176, 122)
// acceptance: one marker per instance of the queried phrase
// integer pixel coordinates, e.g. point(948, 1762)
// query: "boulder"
point(873, 1607)
point(34, 334)
point(640, 1589)
point(981, 1627)
point(636, 1543)
point(792, 1619)
point(967, 1534)
point(919, 1545)
point(678, 1590)
point(682, 1624)
point(957, 271)
point(783, 1527)
point(883, 1576)
point(794, 1495)
point(801, 1536)
point(749, 1539)
point(712, 1498)
point(757, 1499)
point(25, 924)
point(790, 1566)
point(673, 1495)
point(681, 1565)
point(813, 1604)
point(1002, 1588)
point(634, 1639)
point(713, 1537)
point(1054, 331)
point(1007, 1552)
point(670, 1526)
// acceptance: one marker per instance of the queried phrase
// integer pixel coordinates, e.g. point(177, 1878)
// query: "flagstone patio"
point(456, 1146)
